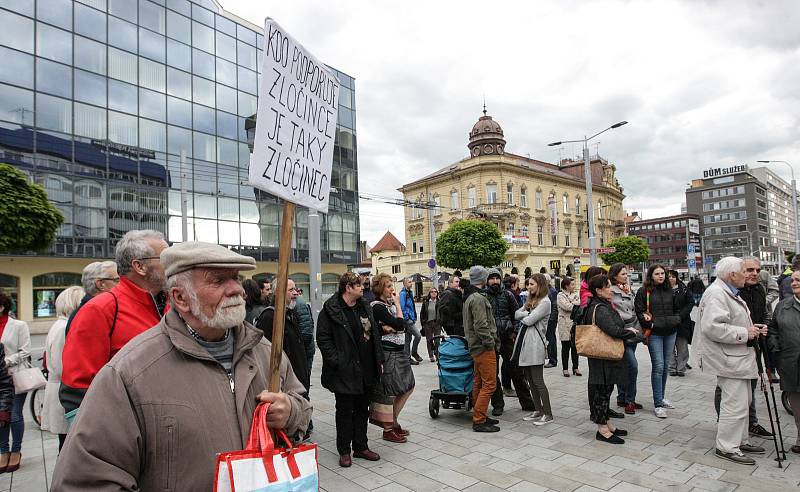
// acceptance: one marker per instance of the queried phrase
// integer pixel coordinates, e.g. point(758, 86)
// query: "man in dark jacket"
point(450, 307)
point(552, 323)
point(785, 280)
point(349, 340)
point(755, 296)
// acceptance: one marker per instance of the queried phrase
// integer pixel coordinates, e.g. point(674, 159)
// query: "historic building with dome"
point(539, 207)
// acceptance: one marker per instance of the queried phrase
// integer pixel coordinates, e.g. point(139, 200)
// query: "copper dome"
point(486, 137)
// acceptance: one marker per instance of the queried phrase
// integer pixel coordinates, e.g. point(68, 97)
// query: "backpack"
point(577, 318)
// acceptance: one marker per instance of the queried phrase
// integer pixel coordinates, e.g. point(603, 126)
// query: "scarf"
point(3, 322)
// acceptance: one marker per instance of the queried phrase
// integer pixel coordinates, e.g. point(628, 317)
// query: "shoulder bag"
point(591, 341)
point(28, 378)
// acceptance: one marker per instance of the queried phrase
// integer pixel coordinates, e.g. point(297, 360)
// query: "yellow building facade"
point(539, 207)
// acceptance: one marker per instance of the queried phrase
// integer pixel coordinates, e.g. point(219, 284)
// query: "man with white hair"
point(723, 341)
point(107, 322)
point(158, 414)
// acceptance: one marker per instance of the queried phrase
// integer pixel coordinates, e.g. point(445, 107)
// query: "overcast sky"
point(702, 83)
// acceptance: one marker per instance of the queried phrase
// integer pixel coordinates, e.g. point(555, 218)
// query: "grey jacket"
point(159, 412)
point(784, 341)
point(624, 305)
point(532, 347)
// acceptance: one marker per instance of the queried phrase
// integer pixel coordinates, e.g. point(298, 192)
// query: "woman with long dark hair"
point(623, 301)
point(660, 315)
point(253, 300)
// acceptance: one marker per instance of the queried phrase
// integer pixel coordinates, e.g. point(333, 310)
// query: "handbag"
point(28, 379)
point(262, 466)
point(591, 341)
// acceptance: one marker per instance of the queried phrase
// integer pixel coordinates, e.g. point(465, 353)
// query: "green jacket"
point(479, 326)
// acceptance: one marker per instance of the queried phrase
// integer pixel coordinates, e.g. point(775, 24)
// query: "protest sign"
point(296, 123)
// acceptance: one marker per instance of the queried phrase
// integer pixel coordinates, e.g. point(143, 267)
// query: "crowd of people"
point(154, 335)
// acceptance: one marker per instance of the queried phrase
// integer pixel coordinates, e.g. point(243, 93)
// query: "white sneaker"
point(534, 416)
point(546, 419)
point(666, 404)
point(661, 412)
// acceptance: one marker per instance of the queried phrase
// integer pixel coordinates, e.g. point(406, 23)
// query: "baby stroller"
point(456, 375)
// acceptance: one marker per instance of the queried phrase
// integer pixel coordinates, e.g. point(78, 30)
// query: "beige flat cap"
point(193, 254)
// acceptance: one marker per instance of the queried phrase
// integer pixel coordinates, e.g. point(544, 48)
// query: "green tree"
point(630, 250)
point(470, 242)
point(28, 221)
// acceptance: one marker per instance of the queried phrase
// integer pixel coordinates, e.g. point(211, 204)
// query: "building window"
point(471, 197)
point(395, 269)
point(540, 235)
point(577, 205)
point(454, 200)
point(491, 193)
point(539, 200)
point(510, 229)
point(579, 238)
point(330, 284)
point(565, 203)
point(47, 287)
point(437, 203)
point(10, 286)
point(523, 198)
point(554, 239)
point(600, 209)
point(524, 231)
point(567, 240)
point(510, 194)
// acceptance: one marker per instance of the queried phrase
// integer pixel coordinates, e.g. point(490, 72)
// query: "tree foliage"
point(28, 221)
point(630, 250)
point(470, 242)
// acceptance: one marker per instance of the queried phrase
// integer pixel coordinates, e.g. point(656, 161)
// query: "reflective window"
point(345, 118)
point(56, 12)
point(125, 9)
point(244, 134)
point(17, 31)
point(226, 125)
point(203, 91)
point(345, 97)
point(205, 206)
point(248, 105)
point(152, 105)
point(90, 55)
point(122, 34)
point(247, 81)
point(122, 128)
point(179, 55)
point(228, 153)
point(53, 113)
point(181, 6)
point(90, 88)
point(18, 68)
point(16, 105)
point(226, 47)
point(203, 64)
point(244, 155)
point(226, 98)
point(205, 146)
point(246, 56)
point(122, 65)
point(229, 233)
point(152, 45)
point(179, 112)
point(90, 23)
point(202, 37)
point(89, 222)
point(152, 135)
point(179, 27)
point(202, 15)
point(53, 43)
point(179, 139)
point(245, 34)
point(152, 75)
point(90, 121)
point(179, 83)
point(203, 119)
point(25, 7)
point(122, 97)
point(225, 25)
point(152, 16)
point(54, 78)
point(226, 72)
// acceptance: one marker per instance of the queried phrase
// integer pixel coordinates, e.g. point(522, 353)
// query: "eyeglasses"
point(149, 258)
point(294, 289)
point(751, 270)
point(113, 279)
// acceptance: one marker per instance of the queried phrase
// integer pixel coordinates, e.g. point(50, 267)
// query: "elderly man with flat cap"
point(159, 412)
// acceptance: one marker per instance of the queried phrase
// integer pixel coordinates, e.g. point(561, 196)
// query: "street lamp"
point(794, 205)
point(588, 178)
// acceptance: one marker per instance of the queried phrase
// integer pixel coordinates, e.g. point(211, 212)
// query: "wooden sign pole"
point(284, 252)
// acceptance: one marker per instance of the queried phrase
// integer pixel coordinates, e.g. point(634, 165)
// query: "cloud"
point(702, 84)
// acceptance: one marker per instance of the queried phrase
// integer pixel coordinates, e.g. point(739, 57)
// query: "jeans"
point(352, 414)
point(432, 329)
point(627, 393)
point(541, 397)
point(16, 427)
point(660, 348)
point(412, 331)
point(680, 356)
point(484, 385)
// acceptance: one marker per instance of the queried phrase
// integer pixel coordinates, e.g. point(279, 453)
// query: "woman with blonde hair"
point(530, 349)
point(53, 419)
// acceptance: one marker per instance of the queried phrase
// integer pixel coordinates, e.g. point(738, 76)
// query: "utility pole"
point(432, 232)
point(184, 201)
point(314, 262)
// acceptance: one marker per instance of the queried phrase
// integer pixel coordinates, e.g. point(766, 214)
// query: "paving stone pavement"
point(443, 454)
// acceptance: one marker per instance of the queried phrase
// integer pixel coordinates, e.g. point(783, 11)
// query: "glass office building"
point(99, 98)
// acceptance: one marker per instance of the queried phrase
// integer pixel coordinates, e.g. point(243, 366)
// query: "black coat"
point(784, 342)
point(684, 298)
point(341, 365)
point(6, 388)
point(667, 308)
point(450, 311)
point(602, 371)
point(293, 345)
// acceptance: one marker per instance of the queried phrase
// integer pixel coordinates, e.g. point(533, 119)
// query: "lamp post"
point(587, 172)
point(794, 205)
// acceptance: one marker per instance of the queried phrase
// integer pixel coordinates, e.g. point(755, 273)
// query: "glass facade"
point(98, 98)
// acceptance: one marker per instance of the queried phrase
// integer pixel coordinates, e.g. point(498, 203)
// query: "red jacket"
point(91, 342)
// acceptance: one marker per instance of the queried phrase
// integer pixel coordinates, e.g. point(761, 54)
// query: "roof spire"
point(484, 104)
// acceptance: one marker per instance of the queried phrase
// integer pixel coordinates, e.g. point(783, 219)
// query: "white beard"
point(231, 312)
point(292, 304)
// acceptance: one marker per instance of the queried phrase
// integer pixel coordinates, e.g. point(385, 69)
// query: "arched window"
point(302, 281)
point(523, 197)
point(47, 287)
point(330, 284)
point(10, 285)
point(510, 194)
point(528, 272)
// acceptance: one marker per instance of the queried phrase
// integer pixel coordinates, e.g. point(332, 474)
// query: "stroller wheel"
point(786, 404)
point(433, 407)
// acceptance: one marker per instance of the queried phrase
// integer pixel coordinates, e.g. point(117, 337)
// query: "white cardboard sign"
point(296, 123)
